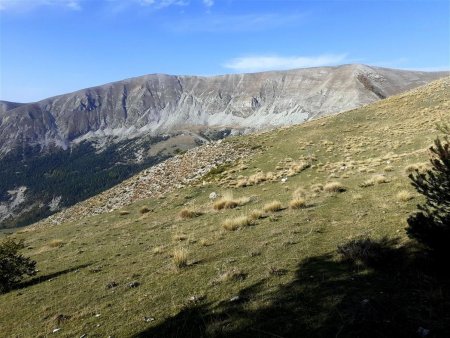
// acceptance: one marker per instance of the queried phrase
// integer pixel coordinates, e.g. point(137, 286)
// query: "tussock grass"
point(334, 187)
point(180, 258)
point(56, 243)
point(232, 224)
point(187, 213)
point(231, 275)
point(299, 192)
point(405, 196)
point(297, 203)
point(272, 206)
point(376, 179)
point(256, 214)
point(227, 201)
point(157, 250)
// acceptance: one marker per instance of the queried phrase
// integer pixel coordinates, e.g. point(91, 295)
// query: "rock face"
point(156, 104)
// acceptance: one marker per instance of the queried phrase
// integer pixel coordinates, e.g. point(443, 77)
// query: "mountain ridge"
point(61, 150)
point(157, 103)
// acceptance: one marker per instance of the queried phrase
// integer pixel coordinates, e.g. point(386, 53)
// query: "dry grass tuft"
point(299, 193)
point(187, 213)
point(56, 243)
point(180, 258)
point(144, 210)
point(379, 179)
point(256, 214)
point(231, 275)
point(411, 168)
point(334, 187)
point(179, 237)
point(297, 203)
point(316, 188)
point(272, 206)
point(232, 224)
point(405, 196)
point(229, 202)
point(158, 250)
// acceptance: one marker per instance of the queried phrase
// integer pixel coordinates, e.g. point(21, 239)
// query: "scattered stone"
point(111, 285)
point(155, 182)
point(148, 319)
point(83, 335)
point(134, 284)
point(56, 330)
point(213, 195)
point(197, 298)
point(283, 180)
point(235, 299)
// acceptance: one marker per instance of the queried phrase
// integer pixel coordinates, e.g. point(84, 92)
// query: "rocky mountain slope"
point(58, 151)
point(155, 104)
point(261, 260)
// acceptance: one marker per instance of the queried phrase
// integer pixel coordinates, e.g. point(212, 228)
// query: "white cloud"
point(261, 63)
point(25, 5)
point(208, 3)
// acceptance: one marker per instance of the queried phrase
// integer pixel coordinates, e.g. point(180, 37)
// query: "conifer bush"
point(430, 225)
point(13, 266)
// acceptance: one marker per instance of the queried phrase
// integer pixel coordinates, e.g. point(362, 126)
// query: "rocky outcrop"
point(174, 173)
point(155, 104)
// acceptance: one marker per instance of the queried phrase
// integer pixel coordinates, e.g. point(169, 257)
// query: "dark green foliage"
point(13, 266)
point(430, 226)
point(74, 174)
point(368, 252)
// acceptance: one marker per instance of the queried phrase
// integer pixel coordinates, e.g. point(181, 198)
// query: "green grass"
point(290, 277)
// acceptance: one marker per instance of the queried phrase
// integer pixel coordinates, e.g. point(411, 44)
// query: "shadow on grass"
point(330, 298)
point(44, 278)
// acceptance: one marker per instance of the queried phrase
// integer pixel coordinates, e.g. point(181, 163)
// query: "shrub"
point(334, 187)
point(232, 224)
point(272, 206)
point(13, 266)
point(430, 226)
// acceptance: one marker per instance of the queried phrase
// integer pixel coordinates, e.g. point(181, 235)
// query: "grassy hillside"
point(172, 266)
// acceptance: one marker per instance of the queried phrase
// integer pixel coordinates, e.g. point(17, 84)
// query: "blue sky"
point(50, 47)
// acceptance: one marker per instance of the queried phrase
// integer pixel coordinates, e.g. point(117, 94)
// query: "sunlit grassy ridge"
point(124, 273)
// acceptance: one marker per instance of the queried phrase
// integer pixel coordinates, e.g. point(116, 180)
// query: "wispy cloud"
point(261, 63)
point(208, 3)
point(25, 5)
point(215, 23)
point(163, 3)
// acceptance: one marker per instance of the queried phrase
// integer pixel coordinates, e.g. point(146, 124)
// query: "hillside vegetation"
point(260, 259)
